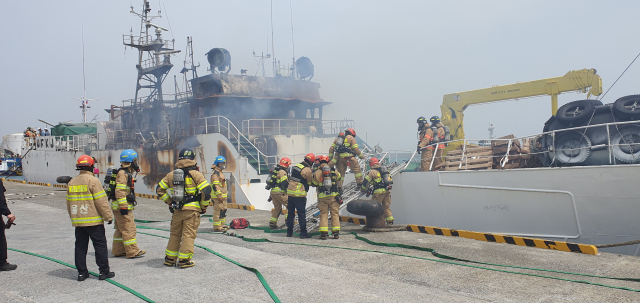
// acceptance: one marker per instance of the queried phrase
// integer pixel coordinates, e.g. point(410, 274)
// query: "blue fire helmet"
point(128, 155)
point(219, 159)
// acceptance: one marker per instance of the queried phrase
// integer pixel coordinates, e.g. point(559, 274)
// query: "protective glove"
point(170, 209)
point(110, 222)
point(202, 211)
point(124, 211)
point(418, 150)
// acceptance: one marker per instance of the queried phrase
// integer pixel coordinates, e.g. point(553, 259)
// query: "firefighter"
point(188, 195)
point(381, 183)
point(278, 184)
point(425, 136)
point(299, 181)
point(124, 238)
point(346, 148)
point(326, 180)
point(219, 195)
point(88, 208)
point(439, 135)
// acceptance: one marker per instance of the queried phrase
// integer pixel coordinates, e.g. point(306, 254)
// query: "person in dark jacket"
point(4, 211)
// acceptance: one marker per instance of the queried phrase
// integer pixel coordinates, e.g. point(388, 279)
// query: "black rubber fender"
point(572, 147)
point(627, 107)
point(365, 207)
point(576, 111)
point(64, 179)
point(625, 143)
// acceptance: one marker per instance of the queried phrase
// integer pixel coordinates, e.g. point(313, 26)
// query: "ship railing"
point(64, 143)
point(322, 128)
point(562, 147)
point(145, 40)
point(214, 124)
point(169, 100)
point(291, 127)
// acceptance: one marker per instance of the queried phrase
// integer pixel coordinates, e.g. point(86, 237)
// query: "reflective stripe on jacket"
point(87, 202)
point(194, 187)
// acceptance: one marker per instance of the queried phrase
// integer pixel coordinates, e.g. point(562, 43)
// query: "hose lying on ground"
point(135, 293)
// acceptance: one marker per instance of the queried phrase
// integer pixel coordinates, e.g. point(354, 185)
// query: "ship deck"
point(296, 273)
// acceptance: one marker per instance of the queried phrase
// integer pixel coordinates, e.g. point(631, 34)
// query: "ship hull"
point(591, 205)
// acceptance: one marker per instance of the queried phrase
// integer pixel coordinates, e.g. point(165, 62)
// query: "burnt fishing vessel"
point(574, 182)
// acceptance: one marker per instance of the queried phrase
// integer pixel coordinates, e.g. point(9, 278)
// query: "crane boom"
point(453, 105)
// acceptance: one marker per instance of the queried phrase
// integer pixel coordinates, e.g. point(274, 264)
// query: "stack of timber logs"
point(491, 157)
point(476, 157)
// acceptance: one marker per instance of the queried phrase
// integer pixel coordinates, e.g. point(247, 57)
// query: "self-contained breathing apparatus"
point(273, 181)
point(180, 196)
point(386, 182)
point(296, 175)
point(110, 184)
point(340, 145)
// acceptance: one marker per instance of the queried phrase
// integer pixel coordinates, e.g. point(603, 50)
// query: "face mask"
point(135, 166)
point(222, 165)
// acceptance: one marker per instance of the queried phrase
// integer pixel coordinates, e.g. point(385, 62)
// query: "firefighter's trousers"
point(341, 166)
point(439, 159)
point(219, 213)
point(124, 238)
point(425, 160)
point(385, 199)
point(184, 225)
point(325, 205)
point(279, 202)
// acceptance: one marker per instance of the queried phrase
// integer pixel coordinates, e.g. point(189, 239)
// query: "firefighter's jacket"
point(426, 136)
point(196, 186)
point(375, 178)
point(219, 184)
point(441, 135)
point(318, 180)
point(87, 202)
point(124, 182)
point(281, 177)
point(300, 179)
point(349, 148)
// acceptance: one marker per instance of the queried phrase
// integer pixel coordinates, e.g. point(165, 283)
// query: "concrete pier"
point(295, 273)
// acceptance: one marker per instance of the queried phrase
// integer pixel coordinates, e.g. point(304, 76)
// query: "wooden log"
point(469, 161)
point(469, 167)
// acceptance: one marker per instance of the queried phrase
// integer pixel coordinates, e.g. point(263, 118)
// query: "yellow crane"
point(453, 105)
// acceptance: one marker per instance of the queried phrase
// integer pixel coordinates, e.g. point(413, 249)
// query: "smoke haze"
point(381, 63)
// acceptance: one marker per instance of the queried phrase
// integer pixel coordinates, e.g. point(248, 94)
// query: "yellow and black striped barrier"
point(12, 180)
point(155, 197)
point(39, 183)
point(59, 185)
point(359, 221)
point(530, 242)
point(241, 206)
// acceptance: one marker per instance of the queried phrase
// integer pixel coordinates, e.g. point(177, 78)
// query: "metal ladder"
point(350, 192)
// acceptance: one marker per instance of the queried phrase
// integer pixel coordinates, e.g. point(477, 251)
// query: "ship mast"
point(85, 102)
point(155, 66)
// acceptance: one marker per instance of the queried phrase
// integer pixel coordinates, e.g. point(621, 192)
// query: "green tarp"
point(69, 129)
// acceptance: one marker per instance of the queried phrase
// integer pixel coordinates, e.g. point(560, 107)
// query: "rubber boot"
point(186, 263)
point(390, 222)
point(169, 262)
point(273, 225)
point(336, 235)
point(140, 253)
point(106, 275)
point(323, 236)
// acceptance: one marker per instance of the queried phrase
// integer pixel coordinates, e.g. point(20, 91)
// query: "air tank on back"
point(590, 146)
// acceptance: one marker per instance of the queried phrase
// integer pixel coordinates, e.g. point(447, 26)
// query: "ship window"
point(308, 113)
point(316, 113)
point(291, 114)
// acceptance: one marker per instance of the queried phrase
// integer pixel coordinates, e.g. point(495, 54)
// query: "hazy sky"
point(381, 63)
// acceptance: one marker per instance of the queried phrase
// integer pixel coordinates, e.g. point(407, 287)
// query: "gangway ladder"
point(350, 192)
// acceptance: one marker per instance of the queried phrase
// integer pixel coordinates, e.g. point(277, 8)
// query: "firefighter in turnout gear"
point(188, 195)
point(439, 135)
point(299, 181)
point(346, 149)
point(124, 238)
point(380, 179)
point(278, 183)
point(88, 208)
point(326, 179)
point(219, 184)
